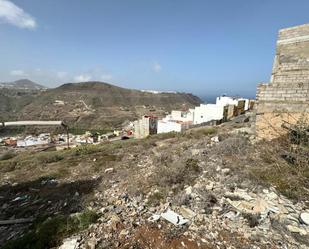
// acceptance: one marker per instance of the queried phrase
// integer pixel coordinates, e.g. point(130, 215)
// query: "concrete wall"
point(225, 100)
point(286, 98)
point(180, 116)
point(207, 112)
point(168, 126)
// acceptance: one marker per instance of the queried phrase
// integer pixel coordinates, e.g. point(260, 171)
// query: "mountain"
point(96, 105)
point(23, 84)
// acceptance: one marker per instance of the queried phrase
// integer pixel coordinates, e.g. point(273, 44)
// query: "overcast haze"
point(204, 47)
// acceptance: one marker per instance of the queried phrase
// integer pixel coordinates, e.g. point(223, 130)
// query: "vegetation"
point(7, 155)
point(50, 232)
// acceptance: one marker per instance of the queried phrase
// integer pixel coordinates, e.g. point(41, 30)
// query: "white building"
point(180, 116)
point(168, 126)
point(225, 100)
point(207, 112)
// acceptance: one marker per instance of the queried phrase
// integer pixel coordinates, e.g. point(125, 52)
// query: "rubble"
point(71, 243)
point(304, 217)
point(174, 218)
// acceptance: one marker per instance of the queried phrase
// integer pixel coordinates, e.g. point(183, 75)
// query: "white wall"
point(207, 112)
point(179, 116)
point(168, 126)
point(225, 100)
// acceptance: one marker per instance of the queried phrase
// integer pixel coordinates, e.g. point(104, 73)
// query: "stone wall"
point(286, 98)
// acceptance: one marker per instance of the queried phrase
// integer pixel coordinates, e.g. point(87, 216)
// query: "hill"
point(97, 105)
point(23, 84)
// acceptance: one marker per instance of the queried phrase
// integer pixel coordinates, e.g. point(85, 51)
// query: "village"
point(223, 110)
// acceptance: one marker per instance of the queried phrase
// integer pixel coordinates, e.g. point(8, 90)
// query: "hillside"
point(231, 189)
point(96, 105)
point(23, 84)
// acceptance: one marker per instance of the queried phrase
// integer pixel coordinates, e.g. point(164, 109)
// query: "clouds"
point(61, 75)
point(156, 67)
point(19, 73)
point(106, 77)
point(94, 74)
point(12, 14)
point(82, 78)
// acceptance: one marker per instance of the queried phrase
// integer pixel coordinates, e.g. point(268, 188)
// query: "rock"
point(187, 213)
point(115, 220)
point(109, 170)
point(174, 218)
point(231, 215)
point(91, 244)
point(304, 218)
point(195, 152)
point(294, 229)
point(210, 186)
point(188, 190)
point(215, 139)
point(154, 217)
point(225, 170)
point(272, 196)
point(118, 210)
point(70, 243)
point(123, 233)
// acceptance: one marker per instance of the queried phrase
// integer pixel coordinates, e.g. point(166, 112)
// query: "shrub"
point(177, 173)
point(86, 149)
point(50, 232)
point(50, 157)
point(7, 155)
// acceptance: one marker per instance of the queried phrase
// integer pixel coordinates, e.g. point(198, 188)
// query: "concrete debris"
point(295, 229)
point(71, 243)
point(109, 170)
point(187, 213)
point(154, 217)
point(174, 218)
point(215, 139)
point(304, 217)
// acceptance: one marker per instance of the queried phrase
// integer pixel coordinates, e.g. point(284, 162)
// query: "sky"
point(204, 47)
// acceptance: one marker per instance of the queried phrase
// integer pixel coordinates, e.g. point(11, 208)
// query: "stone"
point(215, 139)
point(295, 229)
point(187, 213)
point(304, 218)
point(272, 196)
point(109, 170)
point(188, 190)
point(91, 244)
point(174, 218)
point(70, 243)
point(154, 217)
point(225, 170)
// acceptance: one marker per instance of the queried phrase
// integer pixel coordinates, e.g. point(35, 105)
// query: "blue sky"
point(200, 46)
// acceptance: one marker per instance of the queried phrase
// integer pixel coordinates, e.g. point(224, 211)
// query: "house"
point(145, 126)
point(207, 112)
point(170, 126)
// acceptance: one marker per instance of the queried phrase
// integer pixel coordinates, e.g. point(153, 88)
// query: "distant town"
point(223, 110)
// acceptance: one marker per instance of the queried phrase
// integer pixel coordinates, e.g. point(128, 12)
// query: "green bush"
point(50, 232)
point(7, 155)
point(50, 157)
